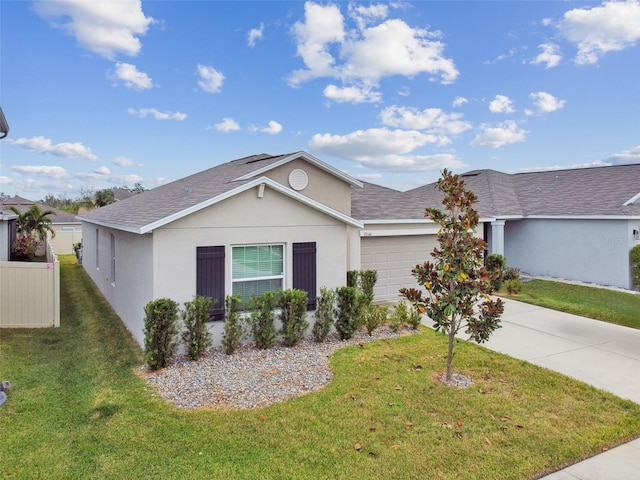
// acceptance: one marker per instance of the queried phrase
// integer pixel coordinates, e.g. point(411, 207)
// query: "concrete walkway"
point(601, 354)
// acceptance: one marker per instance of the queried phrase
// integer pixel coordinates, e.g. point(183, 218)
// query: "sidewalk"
point(601, 354)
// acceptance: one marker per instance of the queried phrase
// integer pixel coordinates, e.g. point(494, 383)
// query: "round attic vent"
point(298, 179)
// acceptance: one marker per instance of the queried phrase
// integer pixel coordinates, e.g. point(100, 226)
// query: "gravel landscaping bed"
point(252, 378)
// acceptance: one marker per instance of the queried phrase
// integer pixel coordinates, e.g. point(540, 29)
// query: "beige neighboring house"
point(67, 227)
point(269, 222)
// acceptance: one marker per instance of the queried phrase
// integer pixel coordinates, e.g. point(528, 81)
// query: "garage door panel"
point(394, 258)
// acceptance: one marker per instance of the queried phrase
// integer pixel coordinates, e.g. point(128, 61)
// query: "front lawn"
point(77, 410)
point(604, 304)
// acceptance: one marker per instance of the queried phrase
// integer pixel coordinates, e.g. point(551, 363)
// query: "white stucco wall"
point(133, 286)
point(595, 251)
point(248, 220)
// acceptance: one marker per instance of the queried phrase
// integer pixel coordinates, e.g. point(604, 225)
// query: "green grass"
point(599, 303)
point(77, 410)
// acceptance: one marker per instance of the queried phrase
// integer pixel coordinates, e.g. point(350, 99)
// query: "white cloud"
point(211, 80)
point(364, 16)
point(369, 177)
point(501, 104)
point(610, 27)
point(626, 157)
point(371, 142)
point(5, 180)
point(273, 128)
point(66, 149)
point(459, 101)
point(157, 114)
point(323, 25)
point(102, 171)
point(255, 34)
point(49, 171)
point(549, 57)
point(131, 77)
point(104, 27)
point(394, 48)
point(432, 120)
point(499, 135)
point(353, 94)
point(123, 161)
point(227, 125)
point(364, 55)
point(545, 102)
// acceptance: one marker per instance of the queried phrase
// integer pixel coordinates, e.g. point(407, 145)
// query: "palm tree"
point(34, 221)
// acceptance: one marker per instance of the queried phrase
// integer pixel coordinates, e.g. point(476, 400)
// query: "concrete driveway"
point(601, 354)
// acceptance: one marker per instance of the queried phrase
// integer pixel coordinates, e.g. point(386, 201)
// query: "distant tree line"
point(88, 198)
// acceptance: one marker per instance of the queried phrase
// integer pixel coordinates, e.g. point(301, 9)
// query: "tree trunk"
point(452, 335)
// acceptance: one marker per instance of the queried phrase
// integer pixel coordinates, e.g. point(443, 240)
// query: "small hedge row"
point(162, 329)
point(347, 309)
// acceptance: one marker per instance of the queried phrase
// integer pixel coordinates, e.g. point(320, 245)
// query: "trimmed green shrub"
point(323, 314)
point(196, 335)
point(368, 279)
point(233, 327)
point(348, 311)
point(160, 332)
point(293, 315)
point(399, 317)
point(635, 265)
point(414, 318)
point(496, 264)
point(262, 320)
point(374, 316)
point(513, 286)
point(352, 278)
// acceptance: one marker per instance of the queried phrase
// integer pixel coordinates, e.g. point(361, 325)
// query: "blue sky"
point(100, 94)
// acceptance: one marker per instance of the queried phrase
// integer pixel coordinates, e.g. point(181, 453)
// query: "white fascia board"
point(418, 221)
point(399, 232)
point(242, 188)
point(582, 217)
point(311, 159)
point(401, 221)
point(115, 226)
point(633, 199)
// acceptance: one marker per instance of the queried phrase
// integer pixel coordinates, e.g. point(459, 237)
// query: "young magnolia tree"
point(456, 284)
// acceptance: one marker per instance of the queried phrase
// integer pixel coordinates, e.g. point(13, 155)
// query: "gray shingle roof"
point(146, 209)
point(22, 204)
point(597, 191)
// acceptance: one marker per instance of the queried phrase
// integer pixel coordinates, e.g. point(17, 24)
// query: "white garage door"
point(394, 258)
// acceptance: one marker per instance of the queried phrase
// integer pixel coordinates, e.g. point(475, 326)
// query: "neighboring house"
point(292, 221)
point(7, 233)
point(577, 224)
point(67, 227)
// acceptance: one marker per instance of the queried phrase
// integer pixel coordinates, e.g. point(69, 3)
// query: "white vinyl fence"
point(30, 293)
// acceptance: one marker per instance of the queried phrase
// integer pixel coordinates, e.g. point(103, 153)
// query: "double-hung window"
point(257, 269)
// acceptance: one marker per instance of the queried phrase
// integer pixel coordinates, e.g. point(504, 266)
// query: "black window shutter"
point(304, 270)
point(210, 277)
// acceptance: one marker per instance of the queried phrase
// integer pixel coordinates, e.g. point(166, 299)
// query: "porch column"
point(497, 236)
